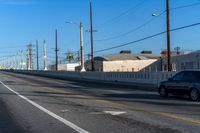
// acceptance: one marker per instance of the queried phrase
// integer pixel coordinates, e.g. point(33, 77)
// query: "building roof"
point(195, 52)
point(117, 57)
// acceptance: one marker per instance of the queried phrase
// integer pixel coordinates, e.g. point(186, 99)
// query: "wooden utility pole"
point(56, 49)
point(37, 56)
point(168, 36)
point(91, 37)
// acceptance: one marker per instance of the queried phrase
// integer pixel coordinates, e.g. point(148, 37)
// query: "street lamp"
point(81, 44)
point(155, 15)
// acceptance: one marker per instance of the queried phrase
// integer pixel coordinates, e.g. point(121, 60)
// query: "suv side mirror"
point(171, 79)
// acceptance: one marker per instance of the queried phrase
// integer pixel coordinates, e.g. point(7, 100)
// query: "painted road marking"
point(108, 112)
point(66, 122)
point(137, 108)
point(114, 112)
point(64, 111)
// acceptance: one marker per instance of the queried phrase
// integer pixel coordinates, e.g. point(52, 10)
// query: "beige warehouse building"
point(124, 61)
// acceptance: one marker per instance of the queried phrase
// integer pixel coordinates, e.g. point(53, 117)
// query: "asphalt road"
point(33, 104)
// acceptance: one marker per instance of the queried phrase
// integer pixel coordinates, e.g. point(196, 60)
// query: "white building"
point(64, 67)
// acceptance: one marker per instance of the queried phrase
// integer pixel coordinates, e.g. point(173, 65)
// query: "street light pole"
point(82, 69)
point(30, 56)
point(91, 37)
point(82, 48)
point(168, 36)
point(45, 55)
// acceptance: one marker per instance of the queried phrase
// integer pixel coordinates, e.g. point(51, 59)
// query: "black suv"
point(183, 83)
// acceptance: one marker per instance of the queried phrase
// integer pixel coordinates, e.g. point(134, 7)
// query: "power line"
point(146, 23)
point(149, 37)
point(185, 6)
point(131, 31)
point(184, 27)
point(122, 14)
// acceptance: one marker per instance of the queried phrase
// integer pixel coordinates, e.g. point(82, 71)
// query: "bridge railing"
point(153, 78)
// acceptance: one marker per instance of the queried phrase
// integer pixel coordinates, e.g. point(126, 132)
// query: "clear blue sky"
point(24, 21)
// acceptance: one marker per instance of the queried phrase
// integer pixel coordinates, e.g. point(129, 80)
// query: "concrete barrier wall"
point(153, 78)
point(139, 77)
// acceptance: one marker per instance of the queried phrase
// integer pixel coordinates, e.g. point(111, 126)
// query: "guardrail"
point(129, 78)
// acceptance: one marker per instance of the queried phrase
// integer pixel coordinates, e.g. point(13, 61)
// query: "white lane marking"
point(66, 122)
point(114, 112)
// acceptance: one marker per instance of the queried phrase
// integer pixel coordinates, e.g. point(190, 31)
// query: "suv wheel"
point(194, 94)
point(163, 91)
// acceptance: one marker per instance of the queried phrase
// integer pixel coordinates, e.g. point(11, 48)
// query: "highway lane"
point(95, 108)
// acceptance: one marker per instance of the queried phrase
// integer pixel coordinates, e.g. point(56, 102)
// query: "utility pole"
point(37, 56)
point(45, 55)
point(91, 37)
point(11, 61)
point(168, 36)
point(22, 62)
point(56, 50)
point(17, 61)
point(29, 59)
point(82, 48)
point(81, 51)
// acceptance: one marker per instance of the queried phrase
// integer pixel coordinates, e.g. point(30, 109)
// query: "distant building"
point(179, 62)
point(124, 61)
point(64, 67)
